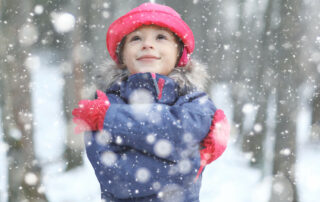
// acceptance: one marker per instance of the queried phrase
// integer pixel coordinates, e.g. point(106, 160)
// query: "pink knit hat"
point(150, 14)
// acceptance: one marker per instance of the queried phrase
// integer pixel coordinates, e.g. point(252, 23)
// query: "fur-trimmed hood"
point(194, 75)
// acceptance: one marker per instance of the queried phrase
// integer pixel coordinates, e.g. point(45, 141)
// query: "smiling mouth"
point(148, 57)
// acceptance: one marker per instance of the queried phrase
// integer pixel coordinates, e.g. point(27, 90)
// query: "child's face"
point(150, 49)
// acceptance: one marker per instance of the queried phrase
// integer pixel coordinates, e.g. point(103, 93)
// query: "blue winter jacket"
point(149, 149)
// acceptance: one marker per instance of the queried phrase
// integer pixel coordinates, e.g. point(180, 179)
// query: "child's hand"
point(216, 141)
point(90, 113)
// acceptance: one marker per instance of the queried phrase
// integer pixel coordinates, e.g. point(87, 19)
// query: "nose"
point(147, 44)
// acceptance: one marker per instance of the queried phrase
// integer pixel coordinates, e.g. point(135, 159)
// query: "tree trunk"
point(24, 172)
point(75, 81)
point(315, 129)
point(287, 66)
point(312, 67)
point(239, 91)
point(261, 94)
point(284, 183)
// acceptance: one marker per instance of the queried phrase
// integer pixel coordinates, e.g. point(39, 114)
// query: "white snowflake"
point(38, 9)
point(103, 137)
point(171, 192)
point(28, 34)
point(63, 22)
point(31, 179)
point(163, 148)
point(108, 158)
point(187, 137)
point(156, 185)
point(285, 151)
point(151, 138)
point(247, 108)
point(257, 128)
point(142, 175)
point(119, 140)
point(140, 96)
point(184, 166)
point(32, 62)
point(106, 14)
point(82, 53)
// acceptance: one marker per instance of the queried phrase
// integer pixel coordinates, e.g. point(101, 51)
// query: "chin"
point(147, 69)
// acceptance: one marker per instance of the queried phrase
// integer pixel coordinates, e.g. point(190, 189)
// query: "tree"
point(74, 81)
point(315, 129)
point(311, 62)
point(287, 66)
point(23, 168)
point(239, 89)
point(254, 141)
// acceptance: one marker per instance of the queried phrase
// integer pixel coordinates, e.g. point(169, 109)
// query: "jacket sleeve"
point(161, 130)
point(127, 173)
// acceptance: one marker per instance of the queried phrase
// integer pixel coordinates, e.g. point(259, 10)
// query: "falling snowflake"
point(184, 166)
point(156, 185)
point(315, 57)
point(63, 22)
point(28, 34)
point(82, 53)
point(140, 102)
point(171, 192)
point(41, 189)
point(103, 137)
point(318, 40)
point(248, 155)
point(285, 151)
point(226, 47)
point(106, 5)
point(108, 158)
point(163, 148)
point(278, 188)
point(143, 175)
point(187, 137)
point(38, 9)
point(31, 179)
point(287, 45)
point(151, 138)
point(247, 108)
point(106, 14)
point(129, 125)
point(32, 62)
point(257, 128)
point(119, 140)
point(283, 188)
point(140, 96)
point(15, 133)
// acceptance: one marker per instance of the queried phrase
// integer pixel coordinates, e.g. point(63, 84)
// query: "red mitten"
point(90, 113)
point(216, 141)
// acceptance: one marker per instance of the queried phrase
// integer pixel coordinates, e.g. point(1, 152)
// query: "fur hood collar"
point(194, 75)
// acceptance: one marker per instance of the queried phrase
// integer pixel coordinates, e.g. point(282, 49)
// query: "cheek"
point(174, 54)
point(174, 50)
point(127, 55)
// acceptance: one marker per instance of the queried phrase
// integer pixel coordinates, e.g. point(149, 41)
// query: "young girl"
point(153, 130)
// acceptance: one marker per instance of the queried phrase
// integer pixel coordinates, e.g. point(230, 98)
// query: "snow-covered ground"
point(229, 179)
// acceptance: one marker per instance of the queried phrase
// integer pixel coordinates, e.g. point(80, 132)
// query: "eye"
point(135, 38)
point(161, 36)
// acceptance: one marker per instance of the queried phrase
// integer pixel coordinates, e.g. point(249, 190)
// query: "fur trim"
point(193, 76)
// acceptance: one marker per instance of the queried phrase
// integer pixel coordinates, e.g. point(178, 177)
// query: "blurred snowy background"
point(264, 61)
